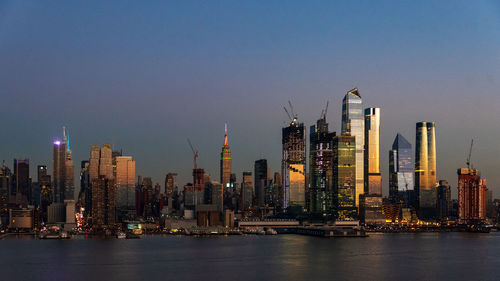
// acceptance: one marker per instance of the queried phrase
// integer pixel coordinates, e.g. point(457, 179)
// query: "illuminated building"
point(125, 182)
point(69, 170)
point(194, 194)
point(401, 172)
point(106, 161)
point(320, 187)
point(85, 196)
point(214, 195)
point(425, 169)
point(94, 162)
point(63, 169)
point(44, 184)
point(353, 125)
point(21, 189)
point(5, 184)
point(344, 177)
point(293, 164)
point(225, 163)
point(471, 196)
point(373, 178)
point(170, 184)
point(103, 202)
point(261, 175)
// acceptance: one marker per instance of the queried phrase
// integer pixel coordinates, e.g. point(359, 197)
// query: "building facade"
point(293, 164)
point(471, 196)
point(225, 163)
point(353, 125)
point(425, 169)
point(344, 177)
point(401, 172)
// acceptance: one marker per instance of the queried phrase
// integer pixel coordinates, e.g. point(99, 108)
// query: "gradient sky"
point(147, 75)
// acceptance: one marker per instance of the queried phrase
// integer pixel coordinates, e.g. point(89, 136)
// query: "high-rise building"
point(170, 184)
point(125, 182)
point(260, 181)
point(85, 196)
point(471, 196)
point(58, 170)
point(344, 177)
point(103, 202)
point(353, 125)
point(225, 163)
point(106, 161)
point(5, 185)
point(401, 172)
point(69, 170)
point(425, 169)
point(293, 164)
point(320, 184)
point(444, 200)
point(94, 162)
point(373, 177)
point(21, 189)
point(246, 191)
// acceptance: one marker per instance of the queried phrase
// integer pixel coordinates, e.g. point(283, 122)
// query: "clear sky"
point(147, 75)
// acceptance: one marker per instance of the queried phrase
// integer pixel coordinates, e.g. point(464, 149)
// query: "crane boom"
point(287, 113)
point(195, 152)
point(470, 153)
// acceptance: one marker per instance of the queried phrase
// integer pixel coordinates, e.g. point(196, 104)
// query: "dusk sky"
point(146, 76)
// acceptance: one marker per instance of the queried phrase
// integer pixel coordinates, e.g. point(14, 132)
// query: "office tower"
point(5, 185)
point(232, 183)
point(69, 170)
point(293, 164)
point(225, 162)
point(125, 182)
point(214, 195)
point(59, 170)
point(246, 191)
point(278, 191)
point(344, 177)
point(425, 169)
point(21, 189)
point(353, 125)
point(194, 193)
point(85, 196)
point(44, 185)
point(373, 178)
point(103, 202)
point(444, 200)
point(471, 196)
point(401, 172)
point(94, 162)
point(260, 181)
point(106, 161)
point(42, 175)
point(170, 184)
point(320, 187)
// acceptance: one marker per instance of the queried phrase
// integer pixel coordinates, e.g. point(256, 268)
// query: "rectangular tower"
point(293, 164)
point(353, 125)
point(425, 169)
point(344, 177)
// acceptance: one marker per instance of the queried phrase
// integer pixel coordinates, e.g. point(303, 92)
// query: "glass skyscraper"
point(344, 177)
point(401, 171)
point(373, 178)
point(425, 169)
point(353, 124)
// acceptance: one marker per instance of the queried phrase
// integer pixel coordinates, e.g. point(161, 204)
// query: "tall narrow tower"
point(293, 164)
point(353, 125)
point(425, 169)
point(225, 162)
point(373, 178)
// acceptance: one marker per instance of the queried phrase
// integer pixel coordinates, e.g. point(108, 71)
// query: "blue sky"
point(146, 76)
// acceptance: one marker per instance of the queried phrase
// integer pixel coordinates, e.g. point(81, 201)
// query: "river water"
point(422, 256)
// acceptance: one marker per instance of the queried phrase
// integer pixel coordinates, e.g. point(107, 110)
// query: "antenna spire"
point(225, 134)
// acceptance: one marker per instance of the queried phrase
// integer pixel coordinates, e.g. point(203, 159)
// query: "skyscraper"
point(103, 202)
point(344, 177)
point(69, 169)
point(353, 125)
point(471, 196)
point(21, 189)
point(225, 162)
point(401, 171)
point(170, 184)
point(106, 161)
point(125, 183)
point(373, 178)
point(320, 187)
point(59, 170)
point(425, 169)
point(246, 191)
point(94, 162)
point(261, 181)
point(293, 164)
point(444, 199)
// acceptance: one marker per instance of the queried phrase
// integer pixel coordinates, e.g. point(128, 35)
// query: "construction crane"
point(470, 154)
point(195, 152)
point(324, 111)
point(291, 114)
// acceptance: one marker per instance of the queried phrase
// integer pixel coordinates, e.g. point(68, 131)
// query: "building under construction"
point(471, 196)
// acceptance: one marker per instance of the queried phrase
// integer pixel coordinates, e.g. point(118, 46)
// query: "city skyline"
point(148, 96)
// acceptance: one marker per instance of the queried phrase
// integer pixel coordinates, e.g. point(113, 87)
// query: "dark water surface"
point(424, 256)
